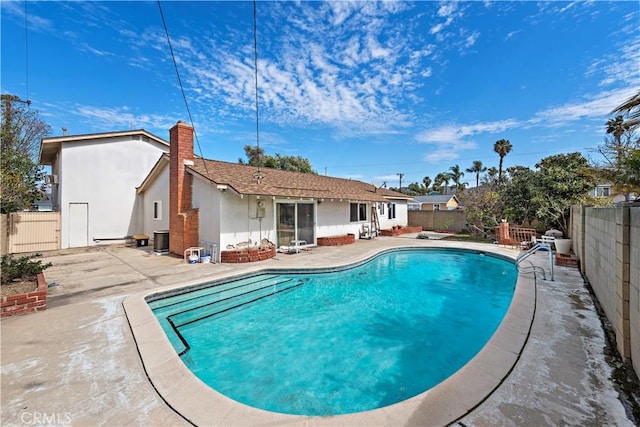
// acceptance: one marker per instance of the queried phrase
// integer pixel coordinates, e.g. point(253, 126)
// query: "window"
point(436, 206)
point(157, 210)
point(358, 212)
point(392, 211)
point(381, 208)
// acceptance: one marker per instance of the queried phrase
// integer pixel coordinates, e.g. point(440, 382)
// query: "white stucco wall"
point(333, 219)
point(158, 190)
point(239, 223)
point(207, 199)
point(104, 174)
point(402, 216)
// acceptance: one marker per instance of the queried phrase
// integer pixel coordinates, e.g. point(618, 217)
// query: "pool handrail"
point(534, 249)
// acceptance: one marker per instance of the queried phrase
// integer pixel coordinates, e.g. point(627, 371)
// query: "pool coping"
point(443, 404)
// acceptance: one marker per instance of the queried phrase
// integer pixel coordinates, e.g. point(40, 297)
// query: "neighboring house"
point(607, 190)
point(94, 179)
point(435, 203)
point(230, 203)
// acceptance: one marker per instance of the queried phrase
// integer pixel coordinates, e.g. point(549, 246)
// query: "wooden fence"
point(454, 221)
point(30, 232)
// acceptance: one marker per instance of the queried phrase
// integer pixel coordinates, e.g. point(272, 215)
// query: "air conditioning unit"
point(51, 179)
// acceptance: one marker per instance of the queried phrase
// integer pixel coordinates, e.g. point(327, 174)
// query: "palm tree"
point(456, 174)
point(441, 181)
point(492, 172)
point(617, 127)
point(477, 168)
point(427, 182)
point(502, 147)
point(631, 107)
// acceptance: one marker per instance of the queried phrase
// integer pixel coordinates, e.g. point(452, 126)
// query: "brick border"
point(30, 302)
point(346, 239)
point(236, 256)
point(396, 231)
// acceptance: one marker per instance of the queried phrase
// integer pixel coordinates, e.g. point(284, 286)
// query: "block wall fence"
point(607, 241)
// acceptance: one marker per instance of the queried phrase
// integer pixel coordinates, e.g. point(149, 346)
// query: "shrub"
point(24, 267)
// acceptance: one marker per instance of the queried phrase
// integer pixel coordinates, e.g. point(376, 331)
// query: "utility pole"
point(8, 99)
point(400, 175)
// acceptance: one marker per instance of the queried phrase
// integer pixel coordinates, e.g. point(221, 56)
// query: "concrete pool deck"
point(77, 363)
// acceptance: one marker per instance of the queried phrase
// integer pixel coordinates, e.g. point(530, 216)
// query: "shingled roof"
point(240, 178)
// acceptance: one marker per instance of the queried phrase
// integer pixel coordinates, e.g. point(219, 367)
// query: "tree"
point(617, 127)
point(630, 107)
point(20, 175)
point(619, 143)
point(483, 207)
point(426, 181)
point(519, 203)
point(441, 182)
point(561, 181)
point(631, 170)
point(477, 168)
point(257, 157)
point(456, 175)
point(492, 176)
point(502, 147)
point(416, 189)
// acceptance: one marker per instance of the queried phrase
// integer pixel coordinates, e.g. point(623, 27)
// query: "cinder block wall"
point(599, 259)
point(634, 286)
point(608, 244)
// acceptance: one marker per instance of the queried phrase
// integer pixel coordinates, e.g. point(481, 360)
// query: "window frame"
point(157, 210)
point(392, 210)
point(357, 212)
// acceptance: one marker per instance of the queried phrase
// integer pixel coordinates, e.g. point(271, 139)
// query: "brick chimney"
point(183, 219)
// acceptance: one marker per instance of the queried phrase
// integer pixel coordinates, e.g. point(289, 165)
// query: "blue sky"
point(364, 90)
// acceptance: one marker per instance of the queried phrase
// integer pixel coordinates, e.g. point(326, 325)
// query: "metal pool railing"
point(537, 247)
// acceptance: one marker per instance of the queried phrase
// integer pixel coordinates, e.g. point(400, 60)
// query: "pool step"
point(230, 299)
point(192, 299)
point(181, 310)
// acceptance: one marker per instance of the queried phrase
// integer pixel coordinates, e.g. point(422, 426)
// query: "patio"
point(77, 363)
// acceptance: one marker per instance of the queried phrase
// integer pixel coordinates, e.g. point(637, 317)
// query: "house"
point(435, 203)
point(231, 204)
point(607, 190)
point(93, 180)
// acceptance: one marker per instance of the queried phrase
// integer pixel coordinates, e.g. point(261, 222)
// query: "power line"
point(26, 44)
point(257, 175)
point(184, 96)
point(511, 155)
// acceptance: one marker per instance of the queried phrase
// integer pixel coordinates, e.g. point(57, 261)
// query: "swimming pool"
point(351, 340)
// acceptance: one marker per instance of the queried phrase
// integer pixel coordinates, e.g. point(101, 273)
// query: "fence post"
point(623, 269)
point(4, 234)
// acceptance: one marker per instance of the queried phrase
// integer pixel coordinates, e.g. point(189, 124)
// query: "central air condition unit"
point(51, 179)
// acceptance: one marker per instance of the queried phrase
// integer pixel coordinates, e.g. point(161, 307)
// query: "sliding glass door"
point(295, 221)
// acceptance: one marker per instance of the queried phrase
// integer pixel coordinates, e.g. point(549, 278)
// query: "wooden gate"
point(33, 232)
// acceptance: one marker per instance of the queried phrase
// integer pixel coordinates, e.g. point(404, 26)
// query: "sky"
point(364, 90)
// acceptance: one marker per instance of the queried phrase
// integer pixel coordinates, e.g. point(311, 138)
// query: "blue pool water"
point(345, 341)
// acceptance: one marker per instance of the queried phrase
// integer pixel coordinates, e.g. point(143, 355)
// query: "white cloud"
point(106, 119)
point(95, 51)
point(446, 154)
point(455, 134)
point(594, 106)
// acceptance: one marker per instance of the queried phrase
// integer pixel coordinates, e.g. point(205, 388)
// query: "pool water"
point(345, 341)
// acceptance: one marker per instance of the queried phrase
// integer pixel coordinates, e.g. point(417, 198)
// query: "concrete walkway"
point(77, 363)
